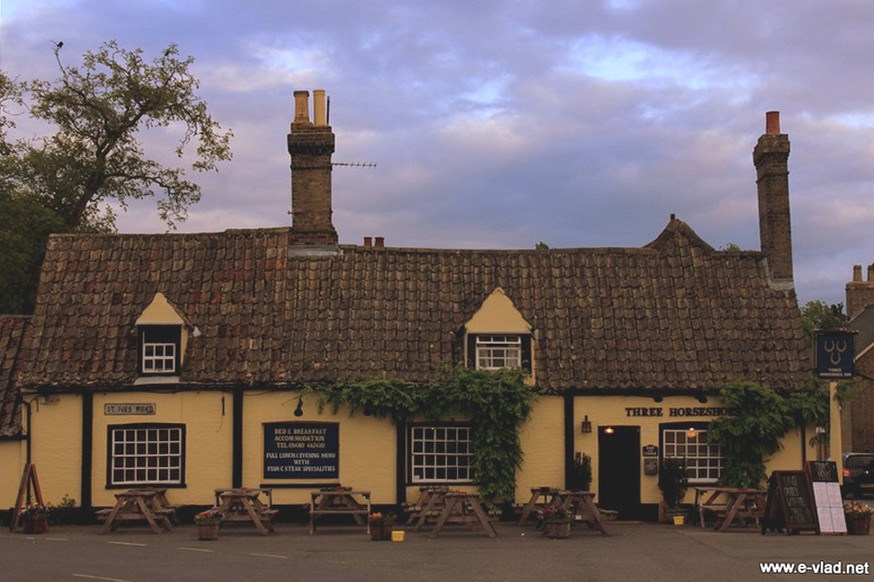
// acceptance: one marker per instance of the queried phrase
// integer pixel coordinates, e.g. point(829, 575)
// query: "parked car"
point(858, 474)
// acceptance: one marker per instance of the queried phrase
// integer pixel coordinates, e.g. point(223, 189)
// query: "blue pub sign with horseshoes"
point(834, 354)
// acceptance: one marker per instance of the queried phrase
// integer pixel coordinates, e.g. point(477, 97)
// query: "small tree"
point(673, 481)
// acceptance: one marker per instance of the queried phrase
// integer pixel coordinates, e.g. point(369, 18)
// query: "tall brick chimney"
point(771, 157)
point(860, 294)
point(310, 145)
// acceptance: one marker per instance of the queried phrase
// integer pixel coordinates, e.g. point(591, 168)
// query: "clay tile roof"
point(673, 315)
point(12, 328)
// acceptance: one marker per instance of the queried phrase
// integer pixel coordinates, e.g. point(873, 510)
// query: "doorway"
point(619, 470)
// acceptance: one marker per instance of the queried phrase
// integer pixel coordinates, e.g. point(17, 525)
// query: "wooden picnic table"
point(137, 505)
point(244, 505)
point(340, 501)
point(540, 497)
point(728, 504)
point(455, 507)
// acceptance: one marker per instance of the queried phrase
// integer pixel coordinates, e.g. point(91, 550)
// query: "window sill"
point(146, 380)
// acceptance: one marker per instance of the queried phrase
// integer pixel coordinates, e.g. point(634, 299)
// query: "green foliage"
point(731, 248)
point(753, 434)
point(819, 315)
point(763, 418)
point(497, 404)
point(581, 472)
point(24, 229)
point(673, 481)
point(98, 109)
point(57, 183)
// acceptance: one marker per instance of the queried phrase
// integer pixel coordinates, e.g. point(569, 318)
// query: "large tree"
point(61, 182)
point(819, 315)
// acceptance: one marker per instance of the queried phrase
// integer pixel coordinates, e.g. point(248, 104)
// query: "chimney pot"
point(301, 107)
point(772, 122)
point(857, 272)
point(368, 242)
point(320, 116)
point(380, 242)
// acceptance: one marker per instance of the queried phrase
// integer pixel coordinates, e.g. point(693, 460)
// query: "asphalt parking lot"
point(647, 551)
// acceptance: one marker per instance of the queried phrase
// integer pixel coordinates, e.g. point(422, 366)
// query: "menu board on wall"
point(789, 505)
point(301, 450)
point(823, 477)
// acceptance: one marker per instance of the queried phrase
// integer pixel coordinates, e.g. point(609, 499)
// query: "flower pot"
point(558, 530)
point(858, 524)
point(35, 524)
point(679, 520)
point(209, 531)
point(380, 531)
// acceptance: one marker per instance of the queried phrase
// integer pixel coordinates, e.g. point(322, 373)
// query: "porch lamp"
point(299, 410)
point(586, 426)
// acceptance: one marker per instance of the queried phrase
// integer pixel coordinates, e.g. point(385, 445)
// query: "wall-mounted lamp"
point(299, 410)
point(702, 399)
point(609, 430)
point(691, 433)
point(658, 399)
point(586, 425)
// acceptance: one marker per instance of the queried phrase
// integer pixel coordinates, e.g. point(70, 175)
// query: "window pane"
point(146, 456)
point(703, 460)
point(448, 458)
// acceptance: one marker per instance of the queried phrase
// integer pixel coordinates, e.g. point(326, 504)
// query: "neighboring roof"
point(863, 323)
point(675, 315)
point(11, 334)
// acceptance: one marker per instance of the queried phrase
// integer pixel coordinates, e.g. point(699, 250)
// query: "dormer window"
point(162, 335)
point(498, 336)
point(494, 352)
point(160, 349)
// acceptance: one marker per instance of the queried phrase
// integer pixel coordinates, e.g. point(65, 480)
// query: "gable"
point(497, 314)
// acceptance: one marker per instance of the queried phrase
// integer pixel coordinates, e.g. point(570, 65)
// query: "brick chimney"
point(310, 145)
point(860, 294)
point(771, 157)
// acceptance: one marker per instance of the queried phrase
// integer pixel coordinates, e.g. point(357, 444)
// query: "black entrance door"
point(619, 470)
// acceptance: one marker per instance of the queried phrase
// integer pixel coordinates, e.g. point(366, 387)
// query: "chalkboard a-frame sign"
point(789, 506)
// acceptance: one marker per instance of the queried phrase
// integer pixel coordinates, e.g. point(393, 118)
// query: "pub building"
point(182, 360)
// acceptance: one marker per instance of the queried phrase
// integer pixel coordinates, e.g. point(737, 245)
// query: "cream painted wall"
point(611, 410)
point(56, 446)
point(208, 440)
point(12, 459)
point(368, 449)
point(542, 439)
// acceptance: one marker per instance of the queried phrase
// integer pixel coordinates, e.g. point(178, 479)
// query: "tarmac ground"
point(632, 551)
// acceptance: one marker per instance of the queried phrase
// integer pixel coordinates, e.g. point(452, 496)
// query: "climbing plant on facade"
point(761, 420)
point(497, 403)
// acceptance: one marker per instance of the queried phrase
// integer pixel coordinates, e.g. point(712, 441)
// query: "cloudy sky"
point(499, 124)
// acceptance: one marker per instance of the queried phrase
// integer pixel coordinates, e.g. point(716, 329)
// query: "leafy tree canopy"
point(819, 315)
point(95, 155)
point(61, 182)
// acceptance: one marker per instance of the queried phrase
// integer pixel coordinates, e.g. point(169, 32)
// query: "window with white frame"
point(160, 349)
point(146, 455)
point(703, 460)
point(495, 352)
point(441, 453)
point(159, 358)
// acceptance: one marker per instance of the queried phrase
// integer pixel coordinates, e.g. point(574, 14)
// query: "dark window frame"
point(110, 455)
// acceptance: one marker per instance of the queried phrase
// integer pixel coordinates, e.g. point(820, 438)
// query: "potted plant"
point(208, 523)
point(858, 516)
point(673, 483)
point(381, 525)
point(556, 521)
point(35, 518)
point(581, 473)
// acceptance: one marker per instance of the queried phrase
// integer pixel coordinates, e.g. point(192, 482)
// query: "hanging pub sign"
point(301, 450)
point(834, 354)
